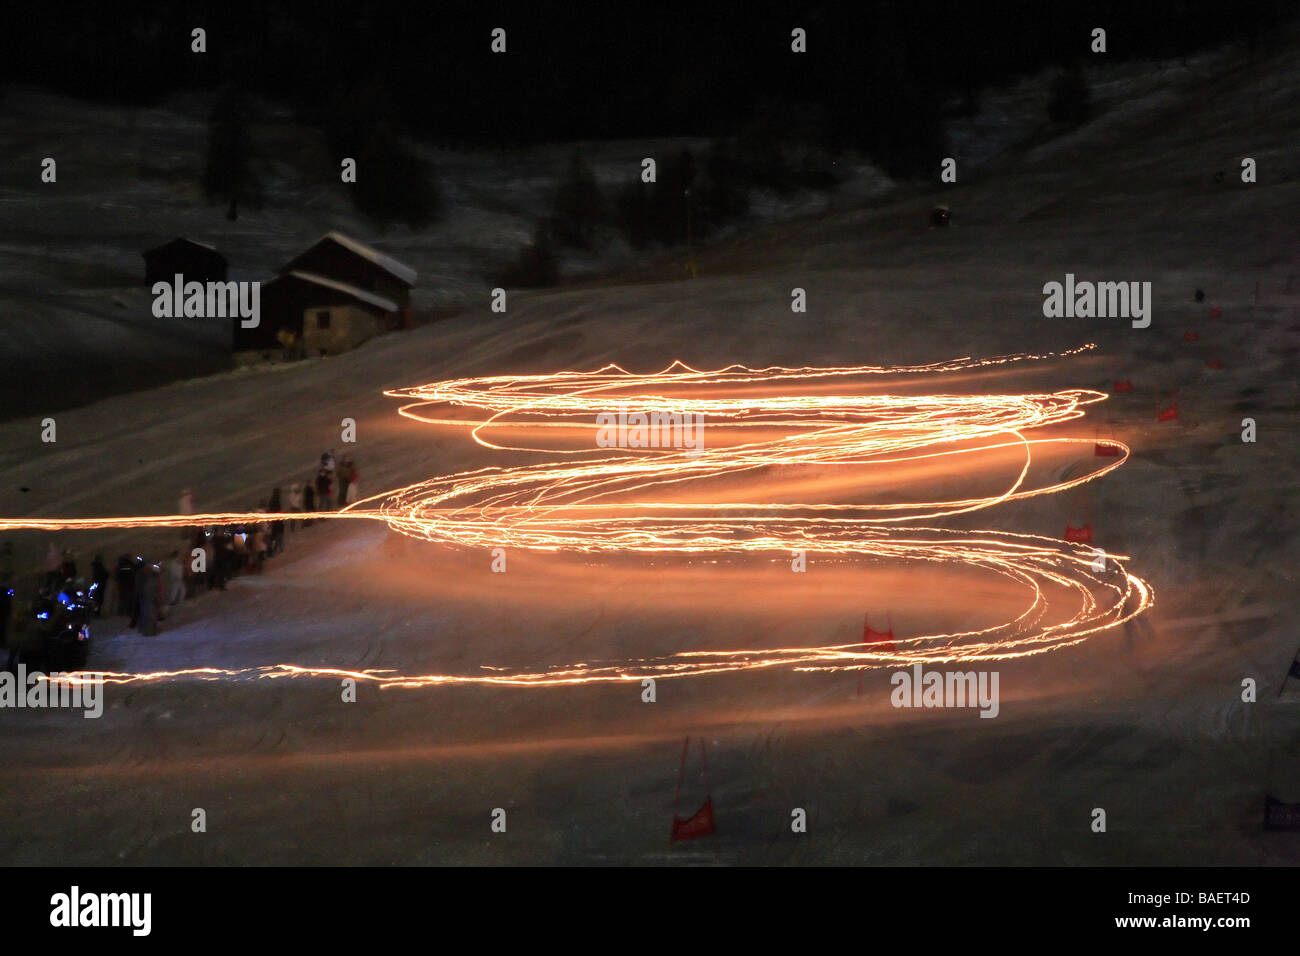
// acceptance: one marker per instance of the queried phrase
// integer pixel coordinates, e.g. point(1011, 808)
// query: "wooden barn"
point(195, 261)
point(344, 259)
point(307, 314)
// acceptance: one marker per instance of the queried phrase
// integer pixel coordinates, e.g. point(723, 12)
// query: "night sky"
point(580, 70)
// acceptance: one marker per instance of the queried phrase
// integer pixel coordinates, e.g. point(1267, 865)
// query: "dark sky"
point(595, 70)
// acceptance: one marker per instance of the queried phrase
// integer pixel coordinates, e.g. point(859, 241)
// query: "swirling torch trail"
point(637, 500)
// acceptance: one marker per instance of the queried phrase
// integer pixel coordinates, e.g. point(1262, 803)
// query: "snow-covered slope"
point(1146, 723)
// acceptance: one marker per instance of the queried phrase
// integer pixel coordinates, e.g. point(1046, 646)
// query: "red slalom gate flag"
point(1123, 385)
point(1083, 534)
point(698, 824)
point(1191, 336)
point(1104, 446)
point(1169, 414)
point(880, 639)
point(1213, 363)
point(1216, 312)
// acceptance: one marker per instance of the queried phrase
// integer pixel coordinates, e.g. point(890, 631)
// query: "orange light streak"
point(638, 500)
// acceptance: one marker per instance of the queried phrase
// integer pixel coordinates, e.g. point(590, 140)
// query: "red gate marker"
point(1213, 363)
point(701, 822)
point(1123, 385)
point(1083, 534)
point(1105, 447)
point(1191, 336)
point(698, 824)
point(884, 640)
point(1169, 414)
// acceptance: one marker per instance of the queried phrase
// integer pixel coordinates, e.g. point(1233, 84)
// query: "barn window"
point(322, 320)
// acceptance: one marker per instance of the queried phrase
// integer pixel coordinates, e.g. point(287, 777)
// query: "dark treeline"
point(874, 74)
point(878, 76)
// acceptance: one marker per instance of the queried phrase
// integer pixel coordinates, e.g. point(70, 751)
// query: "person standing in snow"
point(347, 475)
point(6, 590)
point(295, 504)
point(276, 524)
point(239, 561)
point(264, 529)
point(342, 475)
point(173, 581)
point(257, 548)
point(67, 568)
point(53, 560)
point(147, 600)
point(189, 580)
point(6, 609)
point(354, 486)
point(6, 565)
point(185, 506)
point(125, 574)
point(204, 541)
point(223, 556)
point(139, 573)
point(324, 490)
point(308, 501)
point(99, 577)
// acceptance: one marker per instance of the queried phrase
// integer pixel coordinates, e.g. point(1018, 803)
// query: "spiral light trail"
point(665, 500)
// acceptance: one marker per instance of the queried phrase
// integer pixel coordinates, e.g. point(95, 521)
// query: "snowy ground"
point(1145, 722)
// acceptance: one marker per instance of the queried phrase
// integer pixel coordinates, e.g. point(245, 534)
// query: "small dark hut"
point(195, 261)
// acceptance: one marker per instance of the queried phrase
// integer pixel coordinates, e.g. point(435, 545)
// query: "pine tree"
point(228, 175)
point(536, 265)
point(393, 183)
point(579, 207)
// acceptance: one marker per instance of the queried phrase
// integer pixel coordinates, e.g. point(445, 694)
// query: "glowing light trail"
point(663, 500)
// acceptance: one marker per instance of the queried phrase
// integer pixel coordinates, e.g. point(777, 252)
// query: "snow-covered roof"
point(360, 294)
point(185, 239)
point(390, 265)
